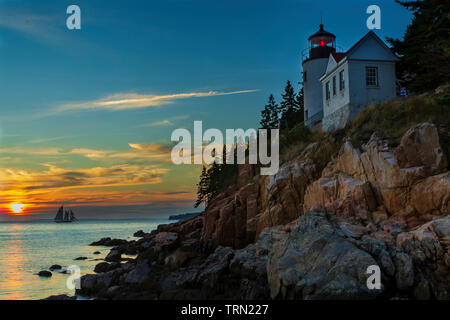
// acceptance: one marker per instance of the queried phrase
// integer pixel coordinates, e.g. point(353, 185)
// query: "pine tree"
point(202, 188)
point(425, 50)
point(269, 116)
point(288, 104)
point(300, 113)
point(292, 106)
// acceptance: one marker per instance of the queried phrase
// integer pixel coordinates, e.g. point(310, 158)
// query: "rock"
point(238, 215)
point(353, 231)
point(420, 146)
point(80, 258)
point(97, 252)
point(435, 230)
point(282, 194)
point(105, 267)
point(383, 236)
point(405, 271)
point(114, 256)
point(62, 297)
point(431, 195)
point(45, 273)
point(179, 257)
point(395, 185)
point(246, 173)
point(140, 234)
point(139, 274)
point(214, 266)
point(108, 242)
point(314, 262)
point(55, 267)
point(341, 195)
point(88, 283)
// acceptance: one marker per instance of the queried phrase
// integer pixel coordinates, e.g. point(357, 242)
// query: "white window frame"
point(334, 86)
point(327, 90)
point(372, 80)
point(342, 80)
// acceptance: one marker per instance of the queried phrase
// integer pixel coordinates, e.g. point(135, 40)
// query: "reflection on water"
point(27, 248)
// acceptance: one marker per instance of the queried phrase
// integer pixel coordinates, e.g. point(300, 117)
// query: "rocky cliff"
point(306, 233)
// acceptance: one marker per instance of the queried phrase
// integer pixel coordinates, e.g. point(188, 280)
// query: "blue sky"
point(52, 81)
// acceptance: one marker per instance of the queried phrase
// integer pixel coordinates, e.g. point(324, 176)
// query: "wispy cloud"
point(126, 101)
point(43, 140)
point(165, 122)
point(143, 152)
point(32, 151)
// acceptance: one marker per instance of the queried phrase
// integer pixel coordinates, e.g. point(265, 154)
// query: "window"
point(327, 90)
point(341, 80)
point(304, 76)
point(372, 76)
point(306, 115)
point(334, 85)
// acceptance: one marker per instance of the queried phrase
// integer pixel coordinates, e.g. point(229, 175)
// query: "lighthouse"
point(320, 45)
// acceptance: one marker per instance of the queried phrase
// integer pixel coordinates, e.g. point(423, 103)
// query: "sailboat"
point(65, 216)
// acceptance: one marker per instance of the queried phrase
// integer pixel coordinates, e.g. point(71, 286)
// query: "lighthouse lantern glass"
point(323, 42)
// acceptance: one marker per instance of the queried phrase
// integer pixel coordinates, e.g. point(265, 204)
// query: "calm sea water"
point(29, 247)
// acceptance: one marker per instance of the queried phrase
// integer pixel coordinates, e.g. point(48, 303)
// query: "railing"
point(312, 121)
point(305, 52)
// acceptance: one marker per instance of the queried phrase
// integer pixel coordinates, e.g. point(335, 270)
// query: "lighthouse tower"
point(320, 45)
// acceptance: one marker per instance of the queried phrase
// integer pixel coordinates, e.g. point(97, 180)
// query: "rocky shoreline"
point(303, 233)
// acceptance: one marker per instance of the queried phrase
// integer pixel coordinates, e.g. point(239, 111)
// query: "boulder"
point(140, 234)
point(105, 267)
point(166, 240)
point(137, 275)
point(179, 257)
point(55, 267)
point(341, 195)
point(62, 297)
point(45, 274)
point(316, 262)
point(405, 271)
point(420, 146)
point(400, 178)
point(215, 266)
point(80, 258)
point(114, 256)
point(108, 242)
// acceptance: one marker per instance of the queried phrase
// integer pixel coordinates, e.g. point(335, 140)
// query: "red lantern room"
point(321, 44)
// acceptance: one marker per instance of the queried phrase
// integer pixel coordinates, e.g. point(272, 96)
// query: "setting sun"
point(17, 207)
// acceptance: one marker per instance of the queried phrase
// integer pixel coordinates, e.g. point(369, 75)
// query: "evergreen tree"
point(288, 104)
point(269, 116)
point(292, 106)
point(202, 188)
point(425, 50)
point(214, 179)
point(299, 100)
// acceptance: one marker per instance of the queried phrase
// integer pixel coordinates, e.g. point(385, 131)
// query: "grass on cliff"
point(390, 120)
point(393, 118)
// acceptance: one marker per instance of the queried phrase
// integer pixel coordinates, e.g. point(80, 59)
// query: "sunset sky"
point(86, 115)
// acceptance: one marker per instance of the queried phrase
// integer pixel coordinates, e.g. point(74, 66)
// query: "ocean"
point(29, 247)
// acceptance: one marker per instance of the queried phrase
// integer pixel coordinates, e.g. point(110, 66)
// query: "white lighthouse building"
point(338, 85)
point(320, 46)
